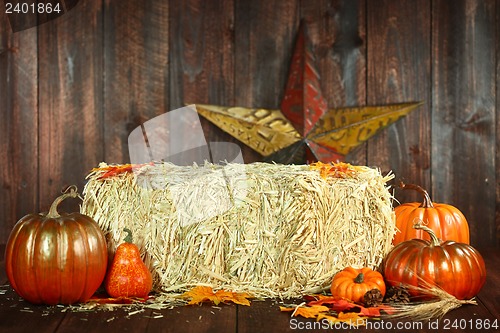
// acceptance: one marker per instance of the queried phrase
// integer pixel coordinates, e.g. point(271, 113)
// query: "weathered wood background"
point(72, 89)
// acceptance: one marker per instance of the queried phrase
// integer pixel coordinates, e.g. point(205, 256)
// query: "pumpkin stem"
point(427, 203)
point(70, 192)
point(128, 238)
point(434, 240)
point(360, 278)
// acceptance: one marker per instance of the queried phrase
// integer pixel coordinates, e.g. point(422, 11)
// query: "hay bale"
point(271, 230)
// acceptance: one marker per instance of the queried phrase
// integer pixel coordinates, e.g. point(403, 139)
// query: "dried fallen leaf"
point(334, 303)
point(305, 311)
point(101, 299)
point(342, 305)
point(337, 170)
point(353, 319)
point(375, 310)
point(114, 170)
point(200, 294)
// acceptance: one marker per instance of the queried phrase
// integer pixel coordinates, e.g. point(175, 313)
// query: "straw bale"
point(267, 229)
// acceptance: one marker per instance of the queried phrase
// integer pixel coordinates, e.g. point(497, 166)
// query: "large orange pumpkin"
point(447, 222)
point(457, 268)
point(56, 258)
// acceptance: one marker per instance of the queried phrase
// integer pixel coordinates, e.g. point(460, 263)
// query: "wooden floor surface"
point(17, 315)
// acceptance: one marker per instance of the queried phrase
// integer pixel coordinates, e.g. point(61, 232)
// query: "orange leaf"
point(353, 319)
point(306, 311)
point(202, 294)
point(338, 170)
point(113, 170)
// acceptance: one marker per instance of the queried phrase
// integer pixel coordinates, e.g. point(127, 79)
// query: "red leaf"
point(342, 305)
point(334, 303)
point(375, 311)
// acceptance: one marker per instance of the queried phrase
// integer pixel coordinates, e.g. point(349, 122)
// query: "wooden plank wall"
point(72, 89)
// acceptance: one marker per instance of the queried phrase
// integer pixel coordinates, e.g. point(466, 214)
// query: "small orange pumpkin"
point(353, 284)
point(445, 220)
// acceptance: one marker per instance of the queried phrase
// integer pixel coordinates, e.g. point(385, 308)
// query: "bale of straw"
point(270, 230)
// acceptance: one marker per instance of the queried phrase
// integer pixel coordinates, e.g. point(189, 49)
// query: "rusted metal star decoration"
point(304, 129)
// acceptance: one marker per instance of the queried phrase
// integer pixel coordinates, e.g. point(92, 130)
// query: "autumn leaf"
point(342, 305)
point(200, 294)
point(353, 319)
point(103, 299)
point(305, 311)
point(318, 297)
point(337, 170)
point(334, 303)
point(375, 310)
point(113, 170)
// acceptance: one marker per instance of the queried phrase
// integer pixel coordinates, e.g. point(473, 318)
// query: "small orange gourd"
point(353, 284)
point(447, 222)
point(128, 275)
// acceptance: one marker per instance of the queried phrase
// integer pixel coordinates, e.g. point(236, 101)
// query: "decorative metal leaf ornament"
point(304, 129)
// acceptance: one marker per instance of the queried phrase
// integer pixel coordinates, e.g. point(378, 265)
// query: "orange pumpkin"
point(457, 268)
point(447, 222)
point(56, 258)
point(353, 284)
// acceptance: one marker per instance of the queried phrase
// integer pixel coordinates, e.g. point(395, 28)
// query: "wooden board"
point(398, 69)
point(463, 119)
point(261, 316)
point(338, 33)
point(136, 67)
point(18, 125)
point(264, 38)
point(202, 61)
point(70, 99)
point(497, 132)
point(73, 89)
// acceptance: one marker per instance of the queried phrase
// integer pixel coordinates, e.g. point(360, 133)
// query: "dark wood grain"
point(201, 46)
point(204, 318)
point(489, 296)
point(398, 70)
point(118, 320)
point(20, 317)
point(70, 99)
point(72, 89)
point(202, 66)
point(18, 125)
point(338, 33)
point(136, 56)
point(17, 315)
point(497, 133)
point(463, 119)
point(264, 38)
